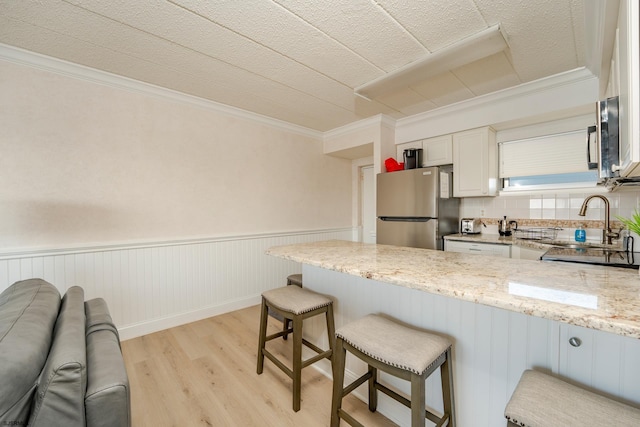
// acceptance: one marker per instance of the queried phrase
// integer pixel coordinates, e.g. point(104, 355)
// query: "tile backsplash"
point(551, 210)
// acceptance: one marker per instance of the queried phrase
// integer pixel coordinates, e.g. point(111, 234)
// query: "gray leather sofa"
point(60, 359)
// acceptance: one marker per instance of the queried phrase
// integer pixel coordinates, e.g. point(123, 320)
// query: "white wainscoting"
point(150, 287)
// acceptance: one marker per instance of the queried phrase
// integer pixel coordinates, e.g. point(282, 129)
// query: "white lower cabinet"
point(605, 362)
point(519, 252)
point(478, 248)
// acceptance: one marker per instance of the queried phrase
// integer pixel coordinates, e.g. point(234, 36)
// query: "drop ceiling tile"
point(272, 26)
point(420, 107)
point(401, 99)
point(443, 89)
point(540, 35)
point(169, 21)
point(388, 46)
point(434, 23)
point(488, 75)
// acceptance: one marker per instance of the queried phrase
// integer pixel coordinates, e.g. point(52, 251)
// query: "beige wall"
point(84, 163)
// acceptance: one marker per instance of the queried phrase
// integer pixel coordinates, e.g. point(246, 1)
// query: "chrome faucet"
point(607, 234)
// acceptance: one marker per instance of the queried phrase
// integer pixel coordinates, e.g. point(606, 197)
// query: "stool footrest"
point(349, 419)
point(278, 363)
point(357, 383)
point(392, 394)
point(314, 359)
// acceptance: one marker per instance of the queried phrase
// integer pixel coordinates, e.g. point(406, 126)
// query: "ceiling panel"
point(299, 61)
point(488, 75)
point(389, 47)
point(273, 27)
point(435, 23)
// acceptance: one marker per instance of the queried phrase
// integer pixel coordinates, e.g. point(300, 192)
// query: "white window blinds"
point(545, 155)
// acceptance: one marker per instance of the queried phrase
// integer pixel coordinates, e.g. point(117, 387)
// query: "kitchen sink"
point(598, 255)
point(581, 245)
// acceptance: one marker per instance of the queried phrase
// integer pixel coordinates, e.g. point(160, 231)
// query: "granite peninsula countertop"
point(597, 297)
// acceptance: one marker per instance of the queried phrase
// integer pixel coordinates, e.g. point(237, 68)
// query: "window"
point(551, 161)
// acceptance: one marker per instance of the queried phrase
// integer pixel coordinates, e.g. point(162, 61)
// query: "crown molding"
point(69, 69)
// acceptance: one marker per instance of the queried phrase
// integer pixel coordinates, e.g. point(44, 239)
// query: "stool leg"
point(373, 393)
point(446, 375)
point(297, 361)
point(418, 400)
point(264, 313)
point(285, 326)
point(339, 356)
point(331, 328)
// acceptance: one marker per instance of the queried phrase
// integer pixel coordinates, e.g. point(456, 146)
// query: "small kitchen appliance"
point(470, 225)
point(504, 226)
point(412, 158)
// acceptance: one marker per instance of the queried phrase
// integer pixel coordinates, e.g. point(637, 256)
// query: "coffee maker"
point(412, 158)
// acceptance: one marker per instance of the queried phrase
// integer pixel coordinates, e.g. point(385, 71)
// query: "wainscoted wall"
point(160, 285)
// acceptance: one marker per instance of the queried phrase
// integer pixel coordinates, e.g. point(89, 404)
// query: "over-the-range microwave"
point(603, 145)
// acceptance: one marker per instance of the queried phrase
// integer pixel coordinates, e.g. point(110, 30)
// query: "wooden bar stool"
point(294, 279)
point(400, 351)
point(295, 304)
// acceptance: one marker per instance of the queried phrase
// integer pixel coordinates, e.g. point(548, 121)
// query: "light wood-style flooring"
point(204, 374)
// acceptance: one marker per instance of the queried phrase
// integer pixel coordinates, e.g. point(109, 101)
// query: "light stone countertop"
point(598, 297)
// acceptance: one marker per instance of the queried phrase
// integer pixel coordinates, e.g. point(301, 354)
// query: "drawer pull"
point(575, 341)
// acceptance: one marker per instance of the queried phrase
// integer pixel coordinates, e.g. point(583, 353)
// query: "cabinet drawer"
point(478, 248)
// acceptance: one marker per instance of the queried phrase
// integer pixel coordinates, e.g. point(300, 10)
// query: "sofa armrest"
point(107, 400)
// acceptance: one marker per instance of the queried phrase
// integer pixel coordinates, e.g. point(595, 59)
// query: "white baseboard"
point(155, 325)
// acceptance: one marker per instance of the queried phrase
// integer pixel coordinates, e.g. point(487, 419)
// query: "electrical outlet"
point(482, 213)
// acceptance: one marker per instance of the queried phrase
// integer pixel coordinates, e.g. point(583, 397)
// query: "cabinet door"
point(474, 163)
point(437, 151)
point(519, 252)
point(605, 362)
point(503, 251)
point(629, 82)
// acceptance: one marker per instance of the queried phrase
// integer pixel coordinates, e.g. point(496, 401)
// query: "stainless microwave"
point(603, 143)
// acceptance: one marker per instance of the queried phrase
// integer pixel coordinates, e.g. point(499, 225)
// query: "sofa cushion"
point(60, 394)
point(28, 312)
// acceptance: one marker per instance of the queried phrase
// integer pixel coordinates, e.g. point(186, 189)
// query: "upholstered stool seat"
point(398, 350)
point(543, 400)
point(294, 304)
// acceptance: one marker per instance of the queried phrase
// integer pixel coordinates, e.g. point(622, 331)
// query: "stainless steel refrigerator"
point(415, 207)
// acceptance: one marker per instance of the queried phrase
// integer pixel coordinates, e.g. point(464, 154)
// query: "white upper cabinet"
point(475, 171)
point(629, 82)
point(437, 151)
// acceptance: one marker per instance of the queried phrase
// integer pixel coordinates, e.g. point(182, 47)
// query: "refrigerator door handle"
point(406, 218)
